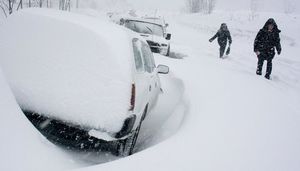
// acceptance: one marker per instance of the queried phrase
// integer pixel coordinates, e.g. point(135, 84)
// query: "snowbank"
point(235, 120)
point(22, 146)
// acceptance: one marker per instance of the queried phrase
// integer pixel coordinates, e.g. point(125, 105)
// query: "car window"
point(148, 58)
point(137, 55)
point(152, 60)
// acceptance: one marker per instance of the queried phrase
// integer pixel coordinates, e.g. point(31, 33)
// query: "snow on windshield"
point(144, 27)
point(68, 66)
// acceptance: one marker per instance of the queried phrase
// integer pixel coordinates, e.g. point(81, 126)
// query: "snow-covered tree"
point(289, 7)
point(254, 7)
point(199, 6)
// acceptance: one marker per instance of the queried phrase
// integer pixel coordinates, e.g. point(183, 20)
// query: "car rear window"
point(137, 55)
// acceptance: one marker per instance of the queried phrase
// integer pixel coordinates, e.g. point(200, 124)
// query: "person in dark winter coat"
point(223, 35)
point(267, 39)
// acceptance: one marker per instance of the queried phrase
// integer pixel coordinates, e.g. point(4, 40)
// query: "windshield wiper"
point(149, 29)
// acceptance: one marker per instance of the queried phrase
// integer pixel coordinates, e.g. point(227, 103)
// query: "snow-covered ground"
point(214, 114)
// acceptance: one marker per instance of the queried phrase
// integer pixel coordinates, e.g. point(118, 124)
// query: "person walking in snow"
point(223, 35)
point(266, 40)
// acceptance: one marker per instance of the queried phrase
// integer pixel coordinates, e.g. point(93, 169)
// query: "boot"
point(258, 72)
point(267, 76)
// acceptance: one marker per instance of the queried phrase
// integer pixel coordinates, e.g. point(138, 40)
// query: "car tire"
point(168, 52)
point(126, 147)
point(119, 148)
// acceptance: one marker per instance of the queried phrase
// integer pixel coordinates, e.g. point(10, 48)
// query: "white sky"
point(176, 5)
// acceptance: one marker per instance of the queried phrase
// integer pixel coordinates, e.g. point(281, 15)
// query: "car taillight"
point(132, 101)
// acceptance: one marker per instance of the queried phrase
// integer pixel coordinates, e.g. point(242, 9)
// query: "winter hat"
point(223, 25)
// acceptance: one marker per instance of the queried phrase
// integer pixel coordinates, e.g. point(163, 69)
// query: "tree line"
point(207, 6)
point(199, 6)
point(8, 6)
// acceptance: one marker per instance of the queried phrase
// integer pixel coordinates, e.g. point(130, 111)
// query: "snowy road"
point(214, 114)
point(235, 120)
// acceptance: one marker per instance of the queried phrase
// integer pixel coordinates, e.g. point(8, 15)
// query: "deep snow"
point(235, 120)
point(229, 118)
point(22, 146)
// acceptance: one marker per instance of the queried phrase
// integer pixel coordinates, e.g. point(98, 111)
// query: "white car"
point(83, 82)
point(159, 20)
point(153, 31)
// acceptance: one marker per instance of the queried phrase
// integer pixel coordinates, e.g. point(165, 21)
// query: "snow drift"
point(22, 146)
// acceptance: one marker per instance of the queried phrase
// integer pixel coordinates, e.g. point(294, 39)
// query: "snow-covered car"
point(83, 82)
point(159, 20)
point(154, 33)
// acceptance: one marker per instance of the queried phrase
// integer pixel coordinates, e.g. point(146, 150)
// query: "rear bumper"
point(69, 136)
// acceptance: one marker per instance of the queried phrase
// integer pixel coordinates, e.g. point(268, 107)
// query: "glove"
point(210, 40)
point(257, 53)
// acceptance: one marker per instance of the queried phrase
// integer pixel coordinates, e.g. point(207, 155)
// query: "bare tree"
point(199, 6)
point(192, 6)
point(3, 7)
point(10, 6)
point(40, 3)
point(20, 5)
point(64, 5)
point(289, 7)
point(254, 8)
point(7, 6)
point(211, 4)
point(49, 3)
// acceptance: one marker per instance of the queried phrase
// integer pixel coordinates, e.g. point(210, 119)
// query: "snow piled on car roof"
point(68, 66)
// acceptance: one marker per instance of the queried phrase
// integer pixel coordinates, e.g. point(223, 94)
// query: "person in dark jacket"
point(267, 39)
point(223, 35)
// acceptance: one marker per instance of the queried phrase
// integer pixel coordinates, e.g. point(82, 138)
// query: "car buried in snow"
point(153, 30)
point(83, 83)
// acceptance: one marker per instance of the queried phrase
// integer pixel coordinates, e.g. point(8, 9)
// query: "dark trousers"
point(222, 48)
point(268, 56)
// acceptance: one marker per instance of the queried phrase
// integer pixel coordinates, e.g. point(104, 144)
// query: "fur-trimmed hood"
point(271, 21)
point(222, 25)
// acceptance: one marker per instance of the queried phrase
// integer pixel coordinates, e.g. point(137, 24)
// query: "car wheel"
point(168, 52)
point(119, 149)
point(126, 147)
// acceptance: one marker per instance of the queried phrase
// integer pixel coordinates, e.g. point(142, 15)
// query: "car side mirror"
point(168, 37)
point(163, 69)
point(166, 25)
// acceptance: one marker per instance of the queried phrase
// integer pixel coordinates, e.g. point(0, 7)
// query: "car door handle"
point(150, 87)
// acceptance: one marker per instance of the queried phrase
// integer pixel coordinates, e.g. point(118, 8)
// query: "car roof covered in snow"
point(69, 66)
